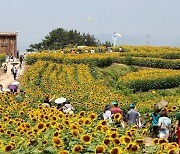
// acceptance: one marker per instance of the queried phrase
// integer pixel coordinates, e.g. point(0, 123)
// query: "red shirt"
point(115, 110)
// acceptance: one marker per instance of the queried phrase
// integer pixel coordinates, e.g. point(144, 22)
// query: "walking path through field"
point(7, 78)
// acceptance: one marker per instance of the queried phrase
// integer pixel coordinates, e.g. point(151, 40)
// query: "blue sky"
point(34, 19)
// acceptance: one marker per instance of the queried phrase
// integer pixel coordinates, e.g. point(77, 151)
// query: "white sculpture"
point(115, 36)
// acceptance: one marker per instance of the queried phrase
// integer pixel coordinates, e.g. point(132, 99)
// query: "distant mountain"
point(140, 40)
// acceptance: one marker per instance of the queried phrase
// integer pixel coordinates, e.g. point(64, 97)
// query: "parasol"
point(13, 87)
point(60, 100)
point(161, 104)
point(14, 63)
point(15, 83)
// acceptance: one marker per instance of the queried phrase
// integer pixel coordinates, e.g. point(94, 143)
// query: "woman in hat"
point(107, 114)
point(47, 101)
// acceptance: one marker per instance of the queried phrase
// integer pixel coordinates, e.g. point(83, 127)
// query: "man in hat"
point(115, 109)
point(132, 116)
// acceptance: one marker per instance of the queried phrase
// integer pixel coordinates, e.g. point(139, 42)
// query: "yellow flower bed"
point(25, 129)
point(148, 79)
point(149, 74)
point(72, 81)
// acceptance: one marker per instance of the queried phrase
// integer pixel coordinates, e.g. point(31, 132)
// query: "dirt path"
point(7, 78)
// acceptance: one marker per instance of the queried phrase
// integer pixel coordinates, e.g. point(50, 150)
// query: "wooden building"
point(8, 42)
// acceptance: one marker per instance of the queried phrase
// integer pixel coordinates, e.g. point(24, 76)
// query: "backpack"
point(163, 126)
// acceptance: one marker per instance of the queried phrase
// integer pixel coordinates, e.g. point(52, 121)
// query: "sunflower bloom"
point(106, 141)
point(86, 139)
point(99, 149)
point(77, 148)
point(116, 150)
point(63, 152)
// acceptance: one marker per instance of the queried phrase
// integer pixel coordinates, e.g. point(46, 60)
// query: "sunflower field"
point(28, 127)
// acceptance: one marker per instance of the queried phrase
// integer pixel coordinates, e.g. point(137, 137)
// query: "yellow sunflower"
point(63, 152)
point(173, 151)
point(86, 139)
point(135, 148)
point(8, 148)
point(75, 133)
point(125, 139)
point(140, 141)
point(161, 141)
point(100, 149)
point(77, 148)
point(106, 141)
point(117, 116)
point(40, 126)
point(155, 141)
point(116, 150)
point(117, 141)
point(57, 141)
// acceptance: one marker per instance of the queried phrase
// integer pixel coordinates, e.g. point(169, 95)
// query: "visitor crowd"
point(161, 124)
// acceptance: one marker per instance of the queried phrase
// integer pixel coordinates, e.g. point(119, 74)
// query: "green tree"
point(60, 38)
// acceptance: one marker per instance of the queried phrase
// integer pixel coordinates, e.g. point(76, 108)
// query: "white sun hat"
point(60, 100)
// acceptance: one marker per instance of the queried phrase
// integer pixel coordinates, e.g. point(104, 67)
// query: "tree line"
point(60, 38)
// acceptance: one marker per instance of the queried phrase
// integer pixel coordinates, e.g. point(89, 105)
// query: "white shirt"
point(107, 115)
point(164, 133)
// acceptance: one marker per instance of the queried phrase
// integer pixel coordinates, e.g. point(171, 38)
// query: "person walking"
point(177, 127)
point(155, 117)
point(5, 68)
point(107, 114)
point(14, 71)
point(132, 116)
point(164, 124)
point(21, 59)
point(115, 109)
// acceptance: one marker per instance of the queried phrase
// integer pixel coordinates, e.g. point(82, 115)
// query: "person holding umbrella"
point(60, 102)
point(64, 105)
point(13, 88)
